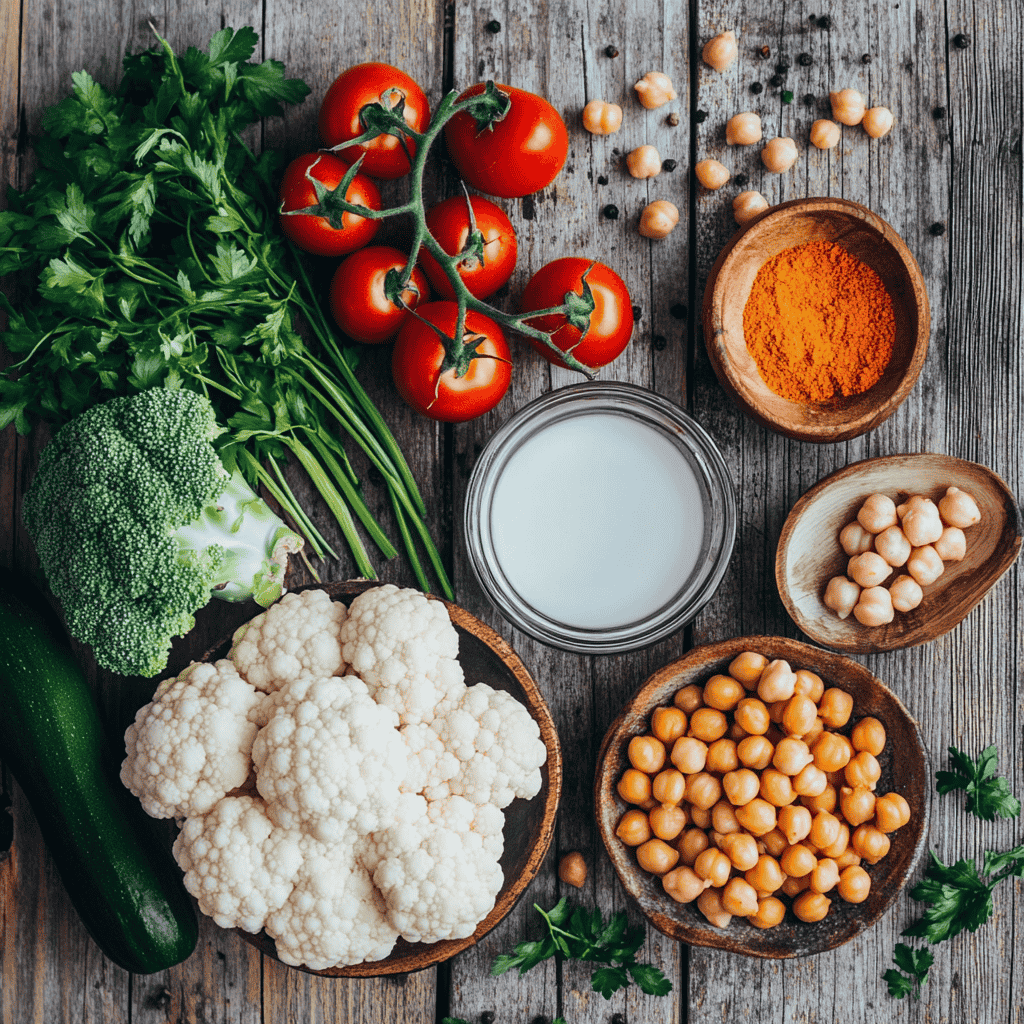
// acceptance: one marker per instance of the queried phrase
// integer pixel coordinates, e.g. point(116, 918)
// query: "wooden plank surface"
point(962, 171)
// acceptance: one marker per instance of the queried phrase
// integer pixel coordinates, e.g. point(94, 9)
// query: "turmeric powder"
point(819, 323)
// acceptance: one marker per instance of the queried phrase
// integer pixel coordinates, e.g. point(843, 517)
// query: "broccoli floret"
point(137, 524)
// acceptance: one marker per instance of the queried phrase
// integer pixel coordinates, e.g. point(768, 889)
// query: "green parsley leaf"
point(988, 795)
point(650, 979)
point(916, 964)
point(606, 981)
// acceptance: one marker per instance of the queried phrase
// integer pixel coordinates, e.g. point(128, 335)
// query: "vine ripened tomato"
point(331, 232)
point(514, 156)
point(367, 85)
point(416, 365)
point(358, 301)
point(482, 274)
point(611, 322)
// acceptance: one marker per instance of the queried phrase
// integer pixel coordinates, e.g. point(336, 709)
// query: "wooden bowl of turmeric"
point(816, 319)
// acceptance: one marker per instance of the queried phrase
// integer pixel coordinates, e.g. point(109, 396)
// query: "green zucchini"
point(117, 870)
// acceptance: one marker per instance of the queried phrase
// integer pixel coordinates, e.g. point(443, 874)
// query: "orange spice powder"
point(819, 323)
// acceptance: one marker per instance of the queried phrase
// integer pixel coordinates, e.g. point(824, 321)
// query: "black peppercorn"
point(487, 1017)
point(825, 22)
point(782, 68)
point(809, 99)
point(701, 116)
point(805, 60)
point(961, 41)
point(756, 87)
point(866, 59)
point(637, 312)
point(493, 27)
point(937, 229)
point(679, 311)
point(775, 81)
point(610, 51)
point(669, 165)
point(939, 113)
point(741, 180)
point(611, 212)
point(602, 180)
point(659, 342)
point(618, 1018)
point(672, 120)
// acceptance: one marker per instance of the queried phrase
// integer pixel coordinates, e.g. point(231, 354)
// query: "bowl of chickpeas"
point(763, 796)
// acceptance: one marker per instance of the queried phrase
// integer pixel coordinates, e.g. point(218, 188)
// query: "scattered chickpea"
point(877, 121)
point(779, 155)
point(720, 51)
point(874, 608)
point(824, 134)
point(841, 595)
point(869, 569)
point(712, 174)
point(748, 205)
point(952, 544)
point(572, 869)
point(601, 118)
point(659, 219)
point(848, 106)
point(958, 508)
point(893, 546)
point(655, 89)
point(743, 129)
point(644, 162)
point(905, 593)
point(854, 539)
point(925, 565)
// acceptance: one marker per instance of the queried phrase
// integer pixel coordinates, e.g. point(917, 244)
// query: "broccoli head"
point(137, 524)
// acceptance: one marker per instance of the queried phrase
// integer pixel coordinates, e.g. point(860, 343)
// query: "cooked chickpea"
point(657, 856)
point(870, 843)
point(667, 821)
point(740, 786)
point(774, 842)
point(841, 595)
point(572, 869)
point(700, 816)
point(655, 90)
point(633, 828)
point(795, 823)
point(770, 912)
point(739, 898)
point(722, 756)
point(747, 668)
point(868, 734)
point(952, 544)
point(811, 737)
point(809, 781)
point(713, 866)
point(838, 848)
point(826, 800)
point(835, 707)
point(799, 715)
point(634, 786)
point(854, 884)
point(709, 903)
point(874, 607)
point(792, 756)
point(877, 121)
point(766, 875)
point(958, 508)
point(741, 849)
point(755, 752)
point(743, 129)
point(683, 884)
point(796, 884)
point(825, 828)
point(877, 513)
point(847, 858)
point(644, 162)
point(723, 820)
point(848, 106)
point(925, 565)
point(748, 205)
point(779, 155)
point(691, 843)
point(921, 520)
point(601, 118)
point(891, 812)
point(720, 51)
point(723, 693)
point(757, 817)
point(712, 174)
point(689, 754)
point(658, 219)
point(708, 724)
point(777, 788)
point(798, 860)
point(863, 770)
point(811, 906)
point(854, 539)
point(824, 134)
point(689, 698)
point(646, 753)
point(777, 682)
point(703, 790)
point(752, 714)
point(868, 570)
point(832, 752)
point(775, 712)
point(905, 593)
point(857, 804)
point(668, 724)
point(893, 546)
point(669, 786)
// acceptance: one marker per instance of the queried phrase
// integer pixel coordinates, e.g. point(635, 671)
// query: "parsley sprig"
point(916, 963)
point(578, 934)
point(988, 794)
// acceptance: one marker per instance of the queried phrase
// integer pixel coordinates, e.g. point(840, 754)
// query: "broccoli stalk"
point(138, 524)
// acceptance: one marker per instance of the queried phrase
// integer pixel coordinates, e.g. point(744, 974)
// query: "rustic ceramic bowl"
point(872, 241)
point(904, 770)
point(809, 554)
point(529, 824)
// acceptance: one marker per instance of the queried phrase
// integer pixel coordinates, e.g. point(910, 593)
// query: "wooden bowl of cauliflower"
point(366, 778)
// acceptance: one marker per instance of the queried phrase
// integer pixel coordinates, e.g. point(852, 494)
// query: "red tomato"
point(611, 322)
point(368, 85)
point(448, 222)
point(335, 233)
point(515, 156)
point(416, 365)
point(358, 302)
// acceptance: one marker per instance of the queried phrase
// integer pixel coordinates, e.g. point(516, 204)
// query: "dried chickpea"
point(601, 118)
point(743, 129)
point(657, 856)
point(647, 753)
point(752, 714)
point(779, 155)
point(846, 858)
point(709, 903)
point(658, 219)
point(755, 752)
point(868, 734)
point(811, 906)
point(863, 770)
point(655, 90)
point(826, 800)
point(770, 912)
point(689, 754)
point(572, 869)
point(891, 812)
point(757, 817)
point(723, 693)
point(848, 106)
point(668, 724)
point(796, 884)
point(701, 817)
point(722, 756)
point(777, 788)
point(841, 596)
point(669, 786)
point(634, 786)
point(720, 51)
point(741, 849)
point(868, 570)
point(835, 707)
point(870, 843)
point(877, 513)
point(824, 134)
point(952, 544)
point(713, 866)
point(739, 898)
point(667, 821)
point(644, 162)
point(809, 684)
point(874, 607)
point(765, 875)
point(741, 786)
point(838, 848)
point(795, 823)
point(723, 818)
point(854, 539)
point(809, 781)
point(893, 546)
point(925, 565)
point(689, 698)
point(797, 860)
point(857, 804)
point(712, 174)
point(748, 205)
point(747, 668)
point(854, 884)
point(708, 724)
point(814, 732)
point(683, 884)
point(958, 508)
point(774, 842)
point(777, 682)
point(825, 829)
point(633, 828)
point(703, 790)
point(922, 522)
point(691, 843)
point(791, 756)
point(877, 121)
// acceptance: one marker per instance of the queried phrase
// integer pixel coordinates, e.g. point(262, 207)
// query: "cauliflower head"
point(191, 745)
point(329, 759)
point(301, 633)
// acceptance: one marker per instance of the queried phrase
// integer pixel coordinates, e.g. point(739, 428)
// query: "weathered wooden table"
point(949, 178)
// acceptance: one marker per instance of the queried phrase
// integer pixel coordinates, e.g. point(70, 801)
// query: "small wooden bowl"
point(809, 554)
point(905, 771)
point(529, 824)
point(872, 241)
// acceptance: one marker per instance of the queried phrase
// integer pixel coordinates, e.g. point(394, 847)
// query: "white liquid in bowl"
point(597, 520)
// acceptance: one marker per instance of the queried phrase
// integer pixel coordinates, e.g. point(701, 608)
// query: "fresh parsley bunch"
point(988, 794)
point(151, 236)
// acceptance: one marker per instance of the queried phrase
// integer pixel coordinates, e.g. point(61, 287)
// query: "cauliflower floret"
point(499, 745)
point(299, 633)
point(191, 745)
point(457, 813)
point(329, 759)
point(431, 766)
point(404, 647)
point(334, 914)
point(237, 864)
